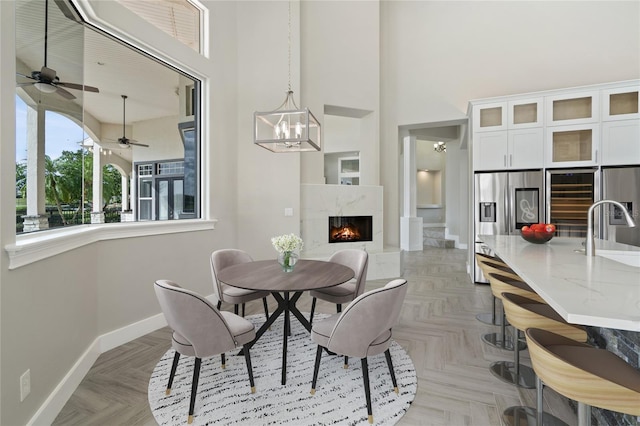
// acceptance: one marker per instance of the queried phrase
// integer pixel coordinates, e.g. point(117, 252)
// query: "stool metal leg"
point(527, 416)
point(584, 414)
point(512, 372)
point(490, 318)
point(501, 340)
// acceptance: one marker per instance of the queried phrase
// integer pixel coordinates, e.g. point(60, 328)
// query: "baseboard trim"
point(130, 332)
point(52, 406)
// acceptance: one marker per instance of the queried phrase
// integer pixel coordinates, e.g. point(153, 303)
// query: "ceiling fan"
point(46, 79)
point(125, 142)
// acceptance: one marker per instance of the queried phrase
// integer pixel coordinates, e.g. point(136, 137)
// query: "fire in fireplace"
point(348, 229)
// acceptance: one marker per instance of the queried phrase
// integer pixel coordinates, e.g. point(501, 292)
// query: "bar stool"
point(588, 375)
point(507, 370)
point(489, 266)
point(484, 262)
point(501, 280)
point(522, 313)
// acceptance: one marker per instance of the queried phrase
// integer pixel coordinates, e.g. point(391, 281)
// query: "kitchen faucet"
point(590, 246)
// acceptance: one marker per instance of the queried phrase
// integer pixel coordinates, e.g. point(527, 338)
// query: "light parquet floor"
point(437, 327)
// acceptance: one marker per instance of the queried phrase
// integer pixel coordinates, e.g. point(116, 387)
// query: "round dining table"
point(268, 275)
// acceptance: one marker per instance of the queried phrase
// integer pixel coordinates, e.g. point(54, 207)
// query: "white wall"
point(340, 67)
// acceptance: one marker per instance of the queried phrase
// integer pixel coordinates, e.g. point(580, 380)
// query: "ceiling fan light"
point(45, 87)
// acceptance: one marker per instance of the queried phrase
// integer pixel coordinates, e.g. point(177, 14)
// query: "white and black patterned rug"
point(224, 395)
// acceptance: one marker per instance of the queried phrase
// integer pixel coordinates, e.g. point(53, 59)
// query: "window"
point(143, 113)
point(178, 18)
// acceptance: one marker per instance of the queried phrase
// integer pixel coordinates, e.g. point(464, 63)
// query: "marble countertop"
point(584, 290)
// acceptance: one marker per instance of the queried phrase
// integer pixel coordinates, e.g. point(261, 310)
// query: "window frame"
point(32, 247)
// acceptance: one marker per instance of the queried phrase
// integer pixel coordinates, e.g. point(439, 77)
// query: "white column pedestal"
point(411, 233)
point(97, 217)
point(35, 223)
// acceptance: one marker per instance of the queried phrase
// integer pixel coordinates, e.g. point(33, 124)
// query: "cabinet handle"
point(596, 155)
point(510, 159)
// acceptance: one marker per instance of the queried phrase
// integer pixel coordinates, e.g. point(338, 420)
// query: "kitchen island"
point(593, 291)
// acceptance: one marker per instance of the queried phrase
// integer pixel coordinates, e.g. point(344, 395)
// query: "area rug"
point(224, 395)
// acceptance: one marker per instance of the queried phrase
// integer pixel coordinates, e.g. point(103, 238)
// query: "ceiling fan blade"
point(25, 76)
point(47, 74)
point(138, 144)
point(64, 93)
point(24, 84)
point(79, 87)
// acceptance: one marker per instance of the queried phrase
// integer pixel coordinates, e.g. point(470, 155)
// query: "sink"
point(631, 258)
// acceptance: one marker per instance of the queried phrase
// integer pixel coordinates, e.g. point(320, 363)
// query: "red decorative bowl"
point(538, 233)
point(537, 237)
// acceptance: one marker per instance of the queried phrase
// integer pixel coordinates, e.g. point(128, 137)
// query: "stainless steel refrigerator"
point(621, 184)
point(504, 203)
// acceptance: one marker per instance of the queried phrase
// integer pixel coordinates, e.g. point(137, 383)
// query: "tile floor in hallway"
point(437, 327)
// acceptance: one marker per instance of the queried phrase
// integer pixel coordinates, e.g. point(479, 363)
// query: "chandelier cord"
point(289, 44)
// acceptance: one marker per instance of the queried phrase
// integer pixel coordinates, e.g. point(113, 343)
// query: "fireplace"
point(349, 229)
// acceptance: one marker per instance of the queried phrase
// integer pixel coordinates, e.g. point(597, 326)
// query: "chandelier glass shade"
point(287, 129)
point(440, 147)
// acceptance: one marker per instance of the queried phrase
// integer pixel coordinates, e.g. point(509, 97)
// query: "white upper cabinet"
point(490, 150)
point(490, 117)
point(572, 146)
point(525, 148)
point(524, 113)
point(621, 103)
point(572, 108)
point(590, 126)
point(620, 126)
point(517, 139)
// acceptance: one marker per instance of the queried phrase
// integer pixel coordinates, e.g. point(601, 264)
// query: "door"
point(525, 200)
point(623, 185)
point(169, 202)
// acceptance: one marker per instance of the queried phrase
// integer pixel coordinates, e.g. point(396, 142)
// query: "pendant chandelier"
point(440, 147)
point(288, 128)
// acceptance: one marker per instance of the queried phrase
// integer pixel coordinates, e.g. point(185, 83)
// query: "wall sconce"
point(440, 147)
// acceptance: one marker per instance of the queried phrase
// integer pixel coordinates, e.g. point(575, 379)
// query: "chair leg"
point(219, 304)
point(313, 309)
point(387, 355)
point(223, 360)
point(235, 309)
point(247, 358)
point(339, 307)
point(315, 370)
point(346, 361)
point(266, 309)
point(539, 402)
point(176, 358)
point(367, 391)
point(194, 388)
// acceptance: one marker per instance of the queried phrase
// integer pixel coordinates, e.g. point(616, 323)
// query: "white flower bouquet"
point(287, 243)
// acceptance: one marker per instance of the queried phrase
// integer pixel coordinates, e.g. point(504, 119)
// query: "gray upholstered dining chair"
point(362, 330)
point(221, 259)
point(358, 260)
point(201, 331)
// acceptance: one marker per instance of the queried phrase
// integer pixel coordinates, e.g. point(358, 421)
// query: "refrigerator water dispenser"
point(487, 212)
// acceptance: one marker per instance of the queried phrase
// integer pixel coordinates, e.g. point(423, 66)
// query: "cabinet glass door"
point(573, 145)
